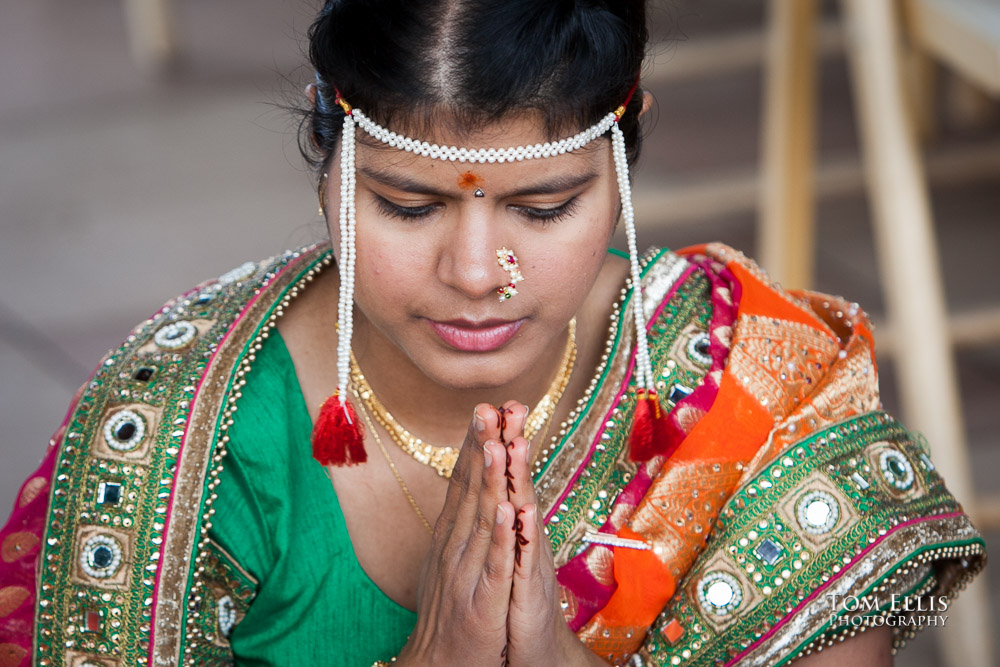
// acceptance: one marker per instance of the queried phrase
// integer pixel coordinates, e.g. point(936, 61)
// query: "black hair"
point(404, 62)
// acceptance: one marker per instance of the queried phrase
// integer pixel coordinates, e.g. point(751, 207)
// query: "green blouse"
point(278, 520)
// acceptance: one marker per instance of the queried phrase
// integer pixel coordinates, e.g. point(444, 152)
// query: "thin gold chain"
point(442, 458)
point(569, 361)
point(395, 472)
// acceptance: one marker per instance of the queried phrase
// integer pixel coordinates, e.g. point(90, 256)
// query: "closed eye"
point(393, 210)
point(542, 215)
point(548, 215)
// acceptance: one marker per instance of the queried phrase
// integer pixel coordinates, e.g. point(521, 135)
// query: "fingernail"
point(527, 454)
point(501, 515)
point(480, 422)
point(487, 456)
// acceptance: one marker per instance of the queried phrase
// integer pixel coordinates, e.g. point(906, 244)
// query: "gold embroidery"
point(612, 643)
point(32, 488)
point(18, 545)
point(11, 655)
point(780, 363)
point(601, 565)
point(846, 519)
point(677, 512)
point(750, 597)
point(118, 578)
point(901, 545)
point(74, 659)
point(11, 598)
point(849, 389)
point(144, 448)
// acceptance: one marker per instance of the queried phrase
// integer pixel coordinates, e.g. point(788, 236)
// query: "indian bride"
point(464, 431)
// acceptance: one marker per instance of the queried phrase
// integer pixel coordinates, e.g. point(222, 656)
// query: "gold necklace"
point(442, 459)
point(395, 472)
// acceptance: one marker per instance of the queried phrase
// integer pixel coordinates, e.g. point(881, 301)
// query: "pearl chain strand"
point(348, 255)
point(348, 222)
point(491, 155)
point(643, 368)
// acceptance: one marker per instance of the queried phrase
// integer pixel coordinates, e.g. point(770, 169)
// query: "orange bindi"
point(470, 180)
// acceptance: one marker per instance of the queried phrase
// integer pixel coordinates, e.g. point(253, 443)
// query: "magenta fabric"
point(20, 541)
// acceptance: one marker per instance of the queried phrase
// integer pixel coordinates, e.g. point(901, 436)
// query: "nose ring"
point(508, 262)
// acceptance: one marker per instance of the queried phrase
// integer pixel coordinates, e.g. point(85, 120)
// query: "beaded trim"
point(817, 512)
point(124, 418)
point(880, 548)
point(899, 475)
point(101, 555)
point(175, 335)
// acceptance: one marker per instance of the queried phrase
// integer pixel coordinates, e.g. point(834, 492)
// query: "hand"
point(537, 630)
point(464, 591)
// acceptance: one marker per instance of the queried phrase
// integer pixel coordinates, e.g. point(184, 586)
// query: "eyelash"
point(546, 216)
point(391, 210)
point(542, 216)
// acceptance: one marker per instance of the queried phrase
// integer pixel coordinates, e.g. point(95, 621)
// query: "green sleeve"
point(304, 598)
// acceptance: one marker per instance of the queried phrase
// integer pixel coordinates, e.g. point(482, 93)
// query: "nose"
point(468, 262)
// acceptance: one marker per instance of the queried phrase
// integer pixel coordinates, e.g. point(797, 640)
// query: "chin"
point(473, 371)
point(477, 374)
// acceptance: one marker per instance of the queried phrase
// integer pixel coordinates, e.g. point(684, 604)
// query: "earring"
point(508, 262)
point(321, 194)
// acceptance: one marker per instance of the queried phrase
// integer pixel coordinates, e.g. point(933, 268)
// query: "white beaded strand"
point(643, 369)
point(348, 255)
point(490, 155)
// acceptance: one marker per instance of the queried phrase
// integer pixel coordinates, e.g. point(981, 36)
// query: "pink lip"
point(484, 336)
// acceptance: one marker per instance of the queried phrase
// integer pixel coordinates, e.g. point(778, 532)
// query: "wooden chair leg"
point(150, 33)
point(786, 226)
point(911, 277)
point(920, 77)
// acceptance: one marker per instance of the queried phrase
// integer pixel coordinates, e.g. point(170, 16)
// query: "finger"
point(484, 425)
point(526, 552)
point(515, 415)
point(469, 516)
point(534, 598)
point(520, 489)
point(492, 493)
point(496, 576)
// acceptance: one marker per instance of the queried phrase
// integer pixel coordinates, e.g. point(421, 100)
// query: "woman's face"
point(427, 273)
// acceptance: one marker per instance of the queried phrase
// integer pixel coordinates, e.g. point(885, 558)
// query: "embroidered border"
point(113, 541)
point(879, 542)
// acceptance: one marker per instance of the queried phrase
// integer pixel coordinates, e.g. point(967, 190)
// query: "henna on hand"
point(519, 540)
point(502, 412)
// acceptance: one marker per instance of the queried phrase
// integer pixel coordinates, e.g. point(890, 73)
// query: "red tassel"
point(650, 431)
point(338, 438)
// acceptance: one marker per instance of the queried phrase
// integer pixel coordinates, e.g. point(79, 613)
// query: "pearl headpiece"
point(348, 223)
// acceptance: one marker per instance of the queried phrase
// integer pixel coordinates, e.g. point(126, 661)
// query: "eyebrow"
point(550, 186)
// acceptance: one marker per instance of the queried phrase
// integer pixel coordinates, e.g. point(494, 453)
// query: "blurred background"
point(134, 166)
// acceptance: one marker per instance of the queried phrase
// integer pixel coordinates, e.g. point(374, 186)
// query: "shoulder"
point(836, 504)
point(136, 470)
